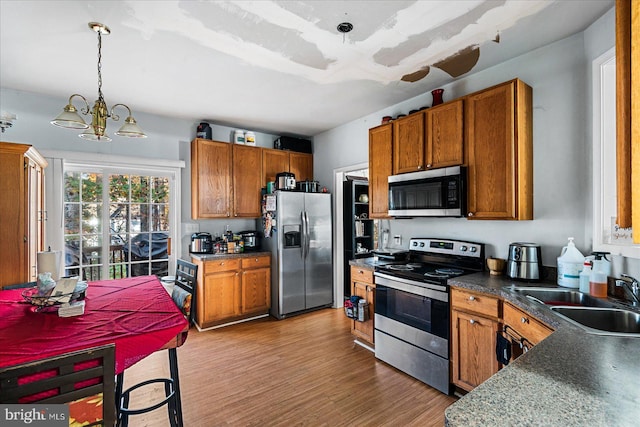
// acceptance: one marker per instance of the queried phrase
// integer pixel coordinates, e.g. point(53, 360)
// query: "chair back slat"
point(64, 375)
point(186, 279)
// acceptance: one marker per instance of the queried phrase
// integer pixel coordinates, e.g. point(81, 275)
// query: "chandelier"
point(69, 118)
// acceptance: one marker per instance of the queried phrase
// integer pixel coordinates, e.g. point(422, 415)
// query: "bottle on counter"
point(570, 264)
point(598, 283)
point(585, 277)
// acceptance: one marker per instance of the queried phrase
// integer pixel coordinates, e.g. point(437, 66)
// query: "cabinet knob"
point(524, 320)
point(419, 167)
point(472, 298)
point(256, 259)
point(428, 165)
point(235, 215)
point(360, 272)
point(470, 214)
point(222, 263)
point(472, 321)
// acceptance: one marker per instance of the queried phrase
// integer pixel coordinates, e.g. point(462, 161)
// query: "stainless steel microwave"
point(436, 192)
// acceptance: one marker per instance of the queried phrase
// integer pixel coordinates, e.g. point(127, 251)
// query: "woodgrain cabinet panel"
point(247, 181)
point(22, 212)
point(362, 285)
point(210, 179)
point(301, 165)
point(380, 168)
point(273, 162)
point(499, 147)
point(525, 325)
point(444, 135)
point(408, 144)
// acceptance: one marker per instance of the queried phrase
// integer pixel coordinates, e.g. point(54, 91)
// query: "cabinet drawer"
point(359, 274)
point(216, 266)
point(255, 262)
point(477, 303)
point(525, 325)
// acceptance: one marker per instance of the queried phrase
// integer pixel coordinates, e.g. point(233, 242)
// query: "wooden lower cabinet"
point(476, 318)
point(474, 349)
point(362, 285)
point(232, 289)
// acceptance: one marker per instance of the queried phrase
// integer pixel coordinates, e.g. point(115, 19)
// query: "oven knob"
point(415, 243)
point(473, 249)
point(422, 244)
point(463, 248)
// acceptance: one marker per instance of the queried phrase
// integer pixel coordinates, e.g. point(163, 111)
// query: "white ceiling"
point(279, 67)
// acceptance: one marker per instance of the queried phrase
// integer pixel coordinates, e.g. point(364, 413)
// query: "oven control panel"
point(444, 246)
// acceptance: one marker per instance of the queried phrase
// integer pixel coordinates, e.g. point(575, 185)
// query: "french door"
point(117, 222)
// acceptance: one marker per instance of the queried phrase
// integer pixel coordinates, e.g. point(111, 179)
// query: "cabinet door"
point(500, 154)
point(247, 181)
point(408, 144)
point(380, 167)
point(364, 330)
point(273, 162)
point(301, 165)
point(256, 290)
point(210, 179)
point(444, 133)
point(473, 349)
point(221, 299)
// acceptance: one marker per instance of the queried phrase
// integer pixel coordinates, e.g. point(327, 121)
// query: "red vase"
point(437, 96)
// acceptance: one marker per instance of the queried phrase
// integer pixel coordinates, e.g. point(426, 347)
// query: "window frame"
point(54, 187)
point(601, 112)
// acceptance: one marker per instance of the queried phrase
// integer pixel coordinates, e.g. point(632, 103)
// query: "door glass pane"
point(137, 228)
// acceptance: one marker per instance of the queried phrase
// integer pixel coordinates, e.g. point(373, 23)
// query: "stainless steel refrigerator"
point(301, 257)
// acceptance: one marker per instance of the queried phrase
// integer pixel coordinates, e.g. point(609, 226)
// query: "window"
point(117, 222)
point(607, 236)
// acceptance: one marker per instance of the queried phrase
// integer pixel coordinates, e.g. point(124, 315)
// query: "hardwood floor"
point(304, 370)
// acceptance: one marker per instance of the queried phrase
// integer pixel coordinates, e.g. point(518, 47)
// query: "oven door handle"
point(428, 290)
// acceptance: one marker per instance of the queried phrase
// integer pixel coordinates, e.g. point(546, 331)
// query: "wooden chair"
point(184, 295)
point(67, 378)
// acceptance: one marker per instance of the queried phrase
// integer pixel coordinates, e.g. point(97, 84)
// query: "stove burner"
point(449, 271)
point(436, 275)
point(414, 265)
point(400, 267)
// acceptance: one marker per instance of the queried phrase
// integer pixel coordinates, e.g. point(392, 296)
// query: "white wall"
point(560, 77)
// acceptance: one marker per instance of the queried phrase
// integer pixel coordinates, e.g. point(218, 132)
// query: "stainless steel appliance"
point(250, 239)
point(525, 261)
point(300, 246)
point(285, 181)
point(436, 192)
point(412, 307)
point(201, 243)
point(307, 186)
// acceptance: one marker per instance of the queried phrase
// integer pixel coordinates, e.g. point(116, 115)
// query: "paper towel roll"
point(50, 262)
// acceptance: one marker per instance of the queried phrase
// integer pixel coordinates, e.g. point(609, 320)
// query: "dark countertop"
point(371, 263)
point(572, 378)
point(211, 257)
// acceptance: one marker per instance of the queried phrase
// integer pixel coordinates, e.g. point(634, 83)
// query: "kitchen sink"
point(603, 321)
point(564, 297)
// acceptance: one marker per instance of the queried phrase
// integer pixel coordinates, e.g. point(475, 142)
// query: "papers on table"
point(75, 308)
point(63, 290)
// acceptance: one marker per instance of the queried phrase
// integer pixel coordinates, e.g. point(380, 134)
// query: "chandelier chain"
point(100, 66)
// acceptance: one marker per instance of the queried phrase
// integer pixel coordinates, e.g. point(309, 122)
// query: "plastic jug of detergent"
point(570, 263)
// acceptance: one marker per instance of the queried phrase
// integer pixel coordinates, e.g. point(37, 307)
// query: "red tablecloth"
point(137, 314)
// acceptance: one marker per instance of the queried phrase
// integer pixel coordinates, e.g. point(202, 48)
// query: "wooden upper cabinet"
point(273, 162)
point(301, 165)
point(247, 181)
point(22, 212)
point(210, 179)
point(408, 144)
point(444, 135)
point(499, 150)
point(380, 167)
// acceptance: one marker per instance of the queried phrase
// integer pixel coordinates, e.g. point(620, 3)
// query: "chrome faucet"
point(630, 286)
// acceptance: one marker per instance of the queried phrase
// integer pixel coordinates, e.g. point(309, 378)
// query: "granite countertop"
point(210, 257)
point(370, 263)
point(572, 378)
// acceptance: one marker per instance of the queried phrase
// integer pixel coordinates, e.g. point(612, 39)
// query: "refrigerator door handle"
point(307, 238)
point(303, 235)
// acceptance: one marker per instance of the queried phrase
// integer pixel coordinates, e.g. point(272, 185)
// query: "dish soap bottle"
point(598, 283)
point(585, 276)
point(570, 264)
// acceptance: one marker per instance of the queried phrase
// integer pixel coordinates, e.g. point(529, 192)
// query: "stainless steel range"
point(412, 308)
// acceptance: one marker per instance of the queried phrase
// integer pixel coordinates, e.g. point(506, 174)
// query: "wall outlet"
point(397, 240)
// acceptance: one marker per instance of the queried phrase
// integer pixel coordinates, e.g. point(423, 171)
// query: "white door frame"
point(338, 238)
